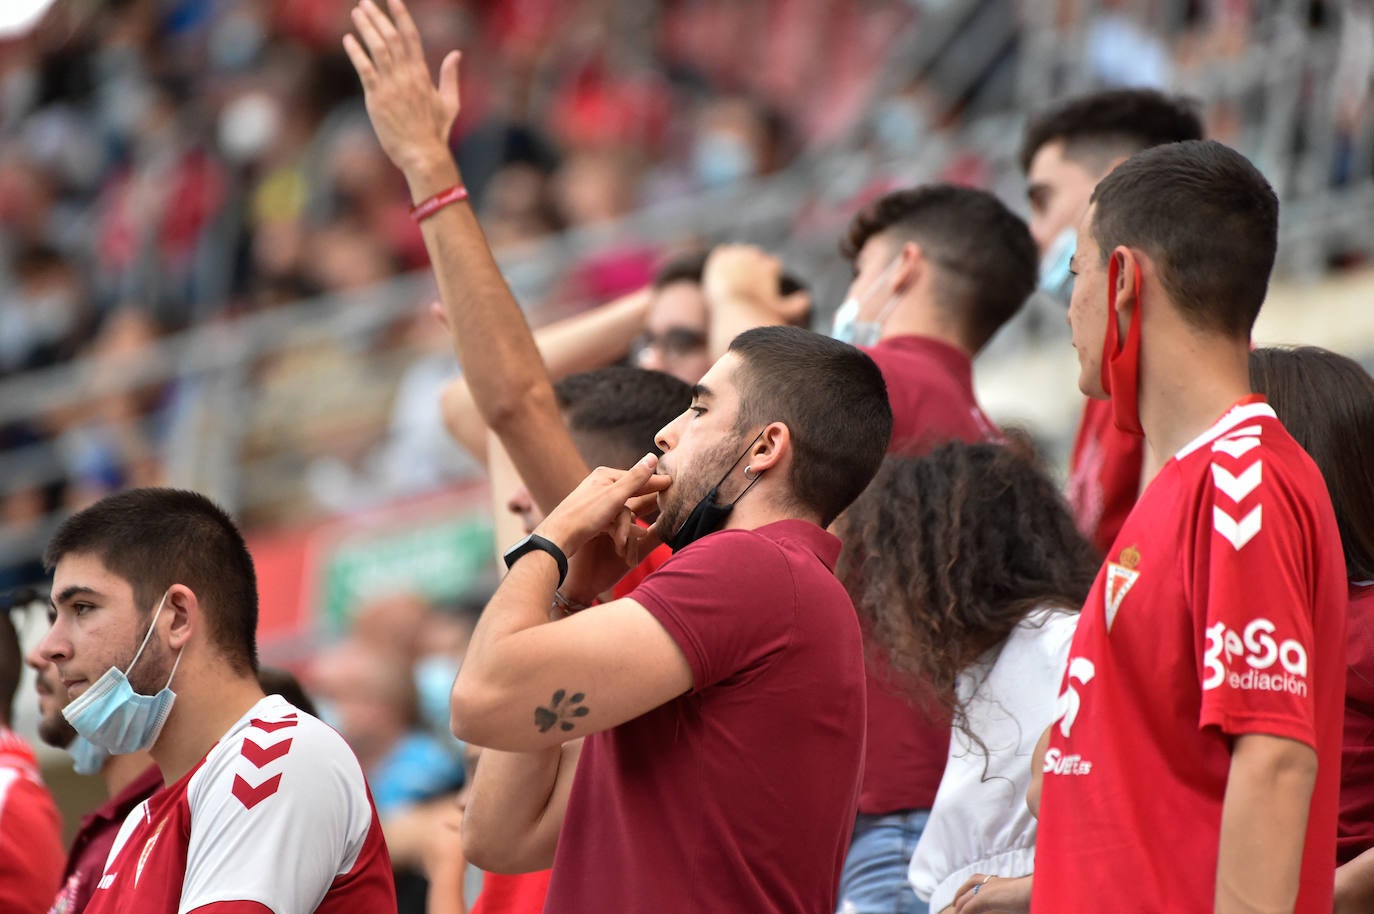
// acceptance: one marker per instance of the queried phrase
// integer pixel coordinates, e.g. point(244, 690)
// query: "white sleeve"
point(275, 825)
point(980, 822)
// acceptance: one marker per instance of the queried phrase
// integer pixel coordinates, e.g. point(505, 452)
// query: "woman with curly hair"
point(967, 573)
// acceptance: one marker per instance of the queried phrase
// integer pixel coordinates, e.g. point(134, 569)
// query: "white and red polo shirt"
point(276, 818)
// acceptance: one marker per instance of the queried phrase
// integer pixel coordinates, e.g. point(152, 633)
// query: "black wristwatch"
point(532, 543)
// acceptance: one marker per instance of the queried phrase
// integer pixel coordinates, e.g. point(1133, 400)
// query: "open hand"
point(411, 115)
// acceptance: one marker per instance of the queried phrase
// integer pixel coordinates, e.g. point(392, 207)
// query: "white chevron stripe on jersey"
point(1236, 447)
point(1237, 487)
point(1237, 532)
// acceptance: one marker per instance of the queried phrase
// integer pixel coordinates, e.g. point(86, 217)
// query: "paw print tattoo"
point(559, 712)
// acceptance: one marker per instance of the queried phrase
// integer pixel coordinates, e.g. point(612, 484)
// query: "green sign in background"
point(442, 559)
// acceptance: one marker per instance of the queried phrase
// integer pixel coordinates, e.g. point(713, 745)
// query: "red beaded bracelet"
point(426, 208)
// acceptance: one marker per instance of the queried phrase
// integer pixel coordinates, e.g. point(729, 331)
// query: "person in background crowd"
point(976, 609)
point(154, 588)
point(1066, 151)
point(938, 270)
point(1194, 759)
point(30, 827)
point(1326, 401)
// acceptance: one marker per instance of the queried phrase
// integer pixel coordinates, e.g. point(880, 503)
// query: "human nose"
point(519, 501)
point(666, 439)
point(53, 647)
point(651, 358)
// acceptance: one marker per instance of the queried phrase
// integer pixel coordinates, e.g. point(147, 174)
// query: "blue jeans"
point(873, 880)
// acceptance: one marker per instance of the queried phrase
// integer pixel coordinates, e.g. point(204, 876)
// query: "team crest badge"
point(1121, 577)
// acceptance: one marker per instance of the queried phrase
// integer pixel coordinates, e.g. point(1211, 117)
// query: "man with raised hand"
point(1196, 759)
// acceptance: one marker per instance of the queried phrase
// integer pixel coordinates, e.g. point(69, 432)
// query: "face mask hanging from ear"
point(709, 515)
point(116, 718)
point(1121, 361)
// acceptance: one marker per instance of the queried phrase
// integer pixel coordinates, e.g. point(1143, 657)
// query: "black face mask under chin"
point(709, 515)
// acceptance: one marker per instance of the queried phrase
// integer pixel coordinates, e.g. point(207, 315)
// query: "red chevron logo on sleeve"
point(251, 796)
point(271, 726)
point(260, 755)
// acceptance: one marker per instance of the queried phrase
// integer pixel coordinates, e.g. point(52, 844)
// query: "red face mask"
point(1121, 362)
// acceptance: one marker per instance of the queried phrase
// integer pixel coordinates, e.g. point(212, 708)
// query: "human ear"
point(773, 442)
point(184, 611)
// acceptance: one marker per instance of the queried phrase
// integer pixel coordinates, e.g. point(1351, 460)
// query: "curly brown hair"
point(945, 554)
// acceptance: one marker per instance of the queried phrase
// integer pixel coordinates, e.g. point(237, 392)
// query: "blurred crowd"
point(166, 165)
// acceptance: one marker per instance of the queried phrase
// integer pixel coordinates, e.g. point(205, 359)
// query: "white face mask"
point(849, 325)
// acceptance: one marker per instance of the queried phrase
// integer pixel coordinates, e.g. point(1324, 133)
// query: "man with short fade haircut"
point(1067, 150)
point(1195, 761)
point(154, 617)
point(938, 270)
point(701, 689)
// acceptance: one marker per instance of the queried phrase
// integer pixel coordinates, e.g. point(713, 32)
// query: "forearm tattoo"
point(560, 712)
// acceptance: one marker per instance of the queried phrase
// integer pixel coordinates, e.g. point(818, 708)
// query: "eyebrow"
point(700, 391)
point(76, 590)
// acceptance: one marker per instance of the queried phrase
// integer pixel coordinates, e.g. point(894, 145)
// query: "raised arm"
point(508, 381)
point(583, 342)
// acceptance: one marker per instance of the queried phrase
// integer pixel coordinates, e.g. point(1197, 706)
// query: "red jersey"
point(30, 832)
point(1220, 612)
point(740, 794)
point(930, 388)
point(277, 816)
point(91, 846)
point(1104, 474)
point(1355, 831)
point(517, 893)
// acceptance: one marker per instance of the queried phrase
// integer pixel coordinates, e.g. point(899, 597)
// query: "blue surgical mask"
point(116, 718)
point(434, 677)
point(849, 325)
point(87, 757)
point(1055, 279)
point(722, 159)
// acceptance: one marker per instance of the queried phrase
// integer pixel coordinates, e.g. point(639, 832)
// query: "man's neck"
point(916, 317)
point(203, 713)
point(1188, 386)
point(120, 771)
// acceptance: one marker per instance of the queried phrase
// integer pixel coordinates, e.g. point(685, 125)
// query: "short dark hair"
point(1326, 401)
point(984, 252)
point(692, 267)
point(1119, 122)
point(154, 538)
point(623, 407)
point(1206, 217)
point(832, 399)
